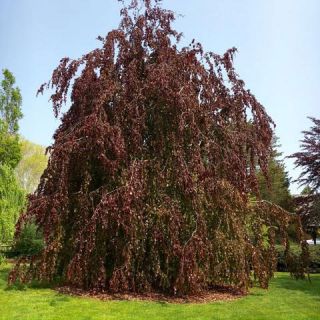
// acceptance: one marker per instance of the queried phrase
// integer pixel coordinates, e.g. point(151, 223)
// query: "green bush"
point(29, 242)
point(314, 251)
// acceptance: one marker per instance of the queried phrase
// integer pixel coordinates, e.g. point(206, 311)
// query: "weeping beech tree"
point(150, 177)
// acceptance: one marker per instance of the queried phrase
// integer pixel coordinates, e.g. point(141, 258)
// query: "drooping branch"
point(149, 177)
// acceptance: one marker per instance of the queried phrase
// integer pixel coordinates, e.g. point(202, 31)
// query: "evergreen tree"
point(308, 159)
point(276, 188)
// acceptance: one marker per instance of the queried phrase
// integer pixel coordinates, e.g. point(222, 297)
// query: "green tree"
point(276, 188)
point(12, 197)
point(12, 200)
point(10, 114)
point(31, 166)
point(10, 102)
point(10, 152)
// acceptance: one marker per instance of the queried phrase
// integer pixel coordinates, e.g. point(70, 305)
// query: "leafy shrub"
point(29, 242)
point(296, 250)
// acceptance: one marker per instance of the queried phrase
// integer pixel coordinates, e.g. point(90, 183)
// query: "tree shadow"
point(311, 287)
point(4, 273)
point(257, 294)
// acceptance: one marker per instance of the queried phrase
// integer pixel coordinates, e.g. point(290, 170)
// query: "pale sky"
point(278, 45)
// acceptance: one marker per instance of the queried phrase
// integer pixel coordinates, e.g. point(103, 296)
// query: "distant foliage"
point(148, 182)
point(31, 165)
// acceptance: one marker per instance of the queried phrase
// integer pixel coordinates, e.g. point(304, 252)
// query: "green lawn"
point(286, 299)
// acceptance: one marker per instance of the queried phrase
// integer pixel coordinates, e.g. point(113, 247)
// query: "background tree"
point(276, 187)
point(11, 195)
point(31, 165)
point(10, 102)
point(308, 159)
point(10, 114)
point(308, 204)
point(148, 182)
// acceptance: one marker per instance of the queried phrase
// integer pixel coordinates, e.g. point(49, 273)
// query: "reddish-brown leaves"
point(149, 175)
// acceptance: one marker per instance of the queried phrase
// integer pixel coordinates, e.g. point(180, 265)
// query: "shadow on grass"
point(58, 299)
point(257, 294)
point(24, 286)
point(4, 273)
point(311, 287)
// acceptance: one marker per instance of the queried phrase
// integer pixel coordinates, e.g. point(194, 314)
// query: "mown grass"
point(285, 299)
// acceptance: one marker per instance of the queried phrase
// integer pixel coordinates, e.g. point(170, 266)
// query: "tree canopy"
point(148, 181)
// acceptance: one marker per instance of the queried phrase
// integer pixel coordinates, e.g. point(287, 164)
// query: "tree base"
point(216, 294)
